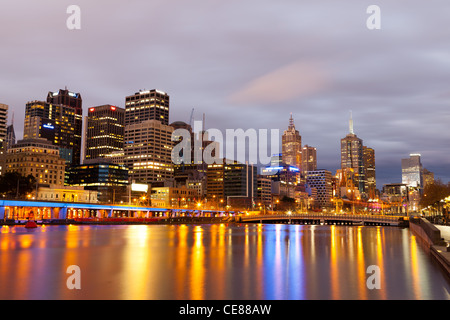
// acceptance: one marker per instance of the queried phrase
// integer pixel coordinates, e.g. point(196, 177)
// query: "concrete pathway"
point(445, 232)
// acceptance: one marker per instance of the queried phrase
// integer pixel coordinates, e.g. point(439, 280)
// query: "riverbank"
point(433, 240)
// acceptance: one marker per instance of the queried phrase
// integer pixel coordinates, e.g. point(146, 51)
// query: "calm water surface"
point(254, 261)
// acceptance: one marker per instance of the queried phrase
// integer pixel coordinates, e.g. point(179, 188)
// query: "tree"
point(434, 192)
point(13, 184)
point(286, 203)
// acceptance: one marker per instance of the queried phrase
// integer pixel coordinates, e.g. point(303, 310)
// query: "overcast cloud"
point(249, 64)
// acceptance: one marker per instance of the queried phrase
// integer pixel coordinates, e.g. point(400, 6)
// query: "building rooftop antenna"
point(351, 123)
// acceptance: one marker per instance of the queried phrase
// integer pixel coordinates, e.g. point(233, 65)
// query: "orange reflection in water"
point(415, 268)
point(197, 272)
point(380, 262)
point(334, 265)
point(138, 262)
point(362, 287)
point(181, 260)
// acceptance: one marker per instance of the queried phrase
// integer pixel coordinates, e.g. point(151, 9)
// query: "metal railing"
point(321, 216)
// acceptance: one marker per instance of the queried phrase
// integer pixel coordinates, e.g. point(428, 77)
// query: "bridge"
point(37, 210)
point(17, 210)
point(328, 219)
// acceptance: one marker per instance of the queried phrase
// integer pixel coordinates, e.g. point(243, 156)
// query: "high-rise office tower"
point(321, 180)
point(291, 144)
point(75, 117)
point(309, 158)
point(232, 183)
point(369, 167)
point(412, 171)
point(148, 151)
point(428, 177)
point(10, 136)
point(352, 157)
point(59, 120)
point(104, 131)
point(147, 139)
point(3, 124)
point(147, 105)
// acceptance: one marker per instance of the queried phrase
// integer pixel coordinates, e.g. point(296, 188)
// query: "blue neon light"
point(48, 126)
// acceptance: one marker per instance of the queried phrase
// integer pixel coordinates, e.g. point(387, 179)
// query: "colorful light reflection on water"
point(218, 261)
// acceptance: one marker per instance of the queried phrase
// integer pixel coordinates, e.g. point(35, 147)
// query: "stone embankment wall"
point(431, 237)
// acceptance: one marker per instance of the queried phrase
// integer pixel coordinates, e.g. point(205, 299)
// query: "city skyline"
point(318, 66)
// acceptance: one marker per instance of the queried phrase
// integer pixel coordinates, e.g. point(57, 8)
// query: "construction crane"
point(192, 115)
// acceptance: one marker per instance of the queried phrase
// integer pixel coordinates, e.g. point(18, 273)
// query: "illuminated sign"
point(139, 187)
point(113, 108)
point(92, 109)
point(48, 126)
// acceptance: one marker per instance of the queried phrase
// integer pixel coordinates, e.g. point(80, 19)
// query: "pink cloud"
point(286, 83)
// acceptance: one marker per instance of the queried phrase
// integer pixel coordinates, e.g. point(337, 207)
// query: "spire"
point(351, 123)
point(291, 122)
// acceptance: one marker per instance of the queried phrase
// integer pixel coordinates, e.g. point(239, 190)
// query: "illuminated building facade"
point(370, 173)
point(321, 180)
point(352, 157)
point(174, 197)
point(309, 158)
point(147, 151)
point(104, 131)
point(428, 177)
point(147, 105)
point(3, 124)
point(264, 191)
point(284, 178)
point(59, 120)
point(147, 138)
point(232, 184)
point(36, 157)
point(397, 195)
point(110, 181)
point(291, 144)
point(412, 171)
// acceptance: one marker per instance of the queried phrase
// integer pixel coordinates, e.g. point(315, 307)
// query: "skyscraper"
point(147, 105)
point(369, 167)
point(148, 151)
point(352, 157)
point(428, 177)
point(309, 158)
point(104, 131)
point(147, 139)
point(59, 120)
point(321, 180)
point(3, 124)
point(232, 183)
point(291, 144)
point(10, 136)
point(412, 171)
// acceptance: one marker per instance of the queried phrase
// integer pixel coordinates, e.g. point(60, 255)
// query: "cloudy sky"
point(249, 64)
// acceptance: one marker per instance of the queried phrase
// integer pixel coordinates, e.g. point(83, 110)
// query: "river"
point(217, 261)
